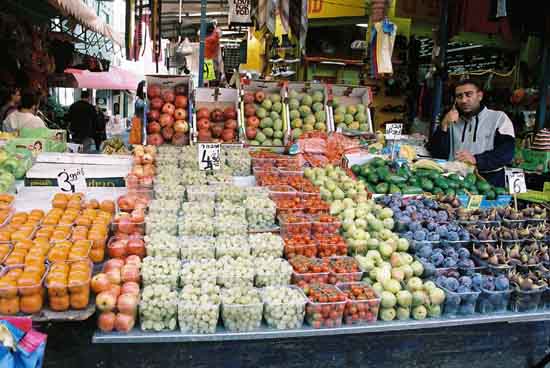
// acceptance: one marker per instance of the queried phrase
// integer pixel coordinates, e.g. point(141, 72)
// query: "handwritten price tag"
point(72, 180)
point(516, 181)
point(393, 131)
point(209, 156)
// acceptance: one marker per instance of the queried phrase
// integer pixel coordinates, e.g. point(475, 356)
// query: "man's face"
point(468, 98)
point(16, 96)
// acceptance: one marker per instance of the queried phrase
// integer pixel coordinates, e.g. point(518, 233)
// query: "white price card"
point(209, 156)
point(72, 180)
point(393, 131)
point(516, 181)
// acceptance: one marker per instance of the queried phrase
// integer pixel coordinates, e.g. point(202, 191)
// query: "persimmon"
point(97, 254)
point(8, 287)
point(9, 306)
point(59, 303)
point(31, 303)
point(35, 266)
point(83, 221)
point(5, 236)
point(4, 250)
point(50, 220)
point(29, 283)
point(58, 254)
point(80, 300)
point(59, 203)
point(107, 206)
point(14, 273)
point(76, 204)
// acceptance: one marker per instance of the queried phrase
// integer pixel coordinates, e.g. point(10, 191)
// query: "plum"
point(477, 280)
point(451, 284)
point(437, 259)
point(449, 263)
point(425, 251)
point(463, 253)
point(466, 281)
point(502, 283)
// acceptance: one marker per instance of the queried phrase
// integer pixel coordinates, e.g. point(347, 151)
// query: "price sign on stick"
point(393, 131)
point(516, 181)
point(72, 180)
point(209, 156)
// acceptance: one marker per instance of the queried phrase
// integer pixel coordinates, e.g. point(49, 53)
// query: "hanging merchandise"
point(382, 41)
point(298, 21)
point(240, 12)
point(284, 9)
point(271, 19)
point(261, 14)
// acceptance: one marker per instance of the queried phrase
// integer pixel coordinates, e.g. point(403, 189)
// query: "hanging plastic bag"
point(185, 48)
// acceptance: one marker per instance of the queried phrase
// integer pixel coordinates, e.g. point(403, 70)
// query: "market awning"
point(115, 78)
point(88, 18)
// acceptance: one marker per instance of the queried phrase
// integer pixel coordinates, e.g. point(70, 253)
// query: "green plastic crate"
point(535, 160)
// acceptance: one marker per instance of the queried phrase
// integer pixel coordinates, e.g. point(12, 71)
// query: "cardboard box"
point(310, 88)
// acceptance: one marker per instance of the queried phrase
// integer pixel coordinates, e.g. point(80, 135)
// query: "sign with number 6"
point(515, 179)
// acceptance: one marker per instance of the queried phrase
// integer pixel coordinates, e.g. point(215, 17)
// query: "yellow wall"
point(255, 52)
point(335, 8)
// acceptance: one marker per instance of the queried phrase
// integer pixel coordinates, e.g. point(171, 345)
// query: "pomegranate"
point(155, 139)
point(248, 98)
point(153, 90)
point(167, 133)
point(166, 120)
point(117, 248)
point(153, 115)
point(217, 129)
point(203, 124)
point(251, 132)
point(136, 247)
point(156, 103)
point(216, 115)
point(260, 96)
point(180, 139)
point(228, 135)
point(204, 135)
point(249, 110)
point(203, 113)
point(180, 114)
point(230, 113)
point(253, 122)
point(168, 95)
point(181, 126)
point(181, 102)
point(180, 89)
point(168, 108)
point(230, 124)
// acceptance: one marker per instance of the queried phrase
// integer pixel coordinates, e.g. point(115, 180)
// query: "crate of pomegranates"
point(215, 116)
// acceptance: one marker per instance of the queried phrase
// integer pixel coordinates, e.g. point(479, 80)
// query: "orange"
point(80, 300)
point(83, 221)
point(92, 203)
point(31, 303)
point(9, 306)
point(97, 255)
point(38, 213)
point(8, 287)
point(59, 303)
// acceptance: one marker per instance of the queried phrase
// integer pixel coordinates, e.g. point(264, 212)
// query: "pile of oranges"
point(57, 247)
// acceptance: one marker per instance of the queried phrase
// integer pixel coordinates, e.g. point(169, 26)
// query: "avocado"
point(412, 190)
point(490, 195)
point(427, 184)
point(373, 178)
point(450, 192)
point(356, 169)
point(383, 172)
point(483, 186)
point(382, 188)
point(500, 191)
point(442, 183)
point(377, 162)
point(394, 189)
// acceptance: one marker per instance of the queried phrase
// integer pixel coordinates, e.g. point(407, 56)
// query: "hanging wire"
point(488, 71)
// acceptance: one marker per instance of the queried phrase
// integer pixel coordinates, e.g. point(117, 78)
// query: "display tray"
point(139, 337)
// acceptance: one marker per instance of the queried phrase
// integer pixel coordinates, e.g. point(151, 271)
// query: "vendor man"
point(472, 133)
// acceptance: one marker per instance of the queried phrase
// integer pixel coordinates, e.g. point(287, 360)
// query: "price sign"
point(72, 180)
point(240, 11)
point(393, 131)
point(209, 156)
point(475, 201)
point(516, 181)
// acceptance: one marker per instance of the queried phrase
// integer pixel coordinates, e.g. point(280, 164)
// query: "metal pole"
point(201, 46)
point(443, 40)
point(544, 82)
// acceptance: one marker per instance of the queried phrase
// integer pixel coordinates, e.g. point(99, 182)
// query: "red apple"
point(203, 124)
point(132, 181)
point(180, 114)
point(216, 115)
point(134, 259)
point(106, 321)
point(168, 95)
point(153, 127)
point(149, 169)
point(181, 126)
point(124, 322)
point(114, 290)
point(105, 301)
point(260, 96)
point(137, 216)
point(251, 133)
point(203, 113)
point(156, 103)
point(248, 98)
point(181, 102)
point(117, 248)
point(100, 283)
point(249, 110)
point(153, 90)
point(168, 108)
point(153, 115)
point(113, 263)
point(129, 273)
point(148, 159)
point(114, 276)
point(253, 122)
point(136, 247)
point(230, 124)
point(127, 304)
point(130, 287)
point(230, 113)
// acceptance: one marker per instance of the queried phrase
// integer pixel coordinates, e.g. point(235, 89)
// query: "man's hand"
point(466, 156)
point(451, 117)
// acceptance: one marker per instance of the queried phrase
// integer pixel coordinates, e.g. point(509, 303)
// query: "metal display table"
point(138, 336)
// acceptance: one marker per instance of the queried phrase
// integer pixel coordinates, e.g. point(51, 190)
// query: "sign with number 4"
point(393, 131)
point(209, 156)
point(71, 180)
point(516, 181)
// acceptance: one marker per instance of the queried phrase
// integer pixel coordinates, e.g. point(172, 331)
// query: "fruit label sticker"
point(475, 201)
point(516, 181)
point(393, 131)
point(72, 180)
point(209, 156)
